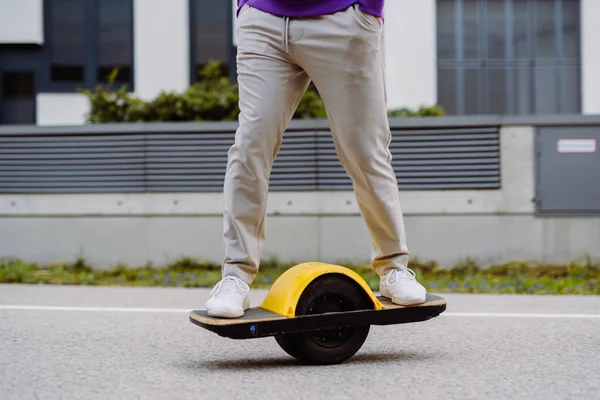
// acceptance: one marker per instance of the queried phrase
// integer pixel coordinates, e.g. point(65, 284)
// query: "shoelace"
point(404, 273)
point(230, 284)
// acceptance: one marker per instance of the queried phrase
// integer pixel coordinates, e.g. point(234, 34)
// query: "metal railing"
point(441, 153)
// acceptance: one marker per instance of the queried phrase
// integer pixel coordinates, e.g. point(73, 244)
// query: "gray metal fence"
point(428, 154)
point(193, 156)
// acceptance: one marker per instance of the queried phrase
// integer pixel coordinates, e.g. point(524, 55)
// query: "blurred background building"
point(508, 57)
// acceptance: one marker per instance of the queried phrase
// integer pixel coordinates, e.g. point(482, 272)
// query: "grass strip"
point(518, 277)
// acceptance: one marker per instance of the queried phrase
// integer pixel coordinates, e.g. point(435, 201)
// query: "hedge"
point(213, 98)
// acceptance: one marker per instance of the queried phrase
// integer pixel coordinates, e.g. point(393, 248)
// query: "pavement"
point(59, 342)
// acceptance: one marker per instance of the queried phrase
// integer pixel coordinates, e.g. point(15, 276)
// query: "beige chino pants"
point(277, 59)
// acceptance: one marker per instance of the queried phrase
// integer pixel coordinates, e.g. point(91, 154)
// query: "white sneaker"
point(229, 298)
point(402, 287)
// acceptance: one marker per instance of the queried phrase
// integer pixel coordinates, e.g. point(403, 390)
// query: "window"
point(17, 97)
point(67, 41)
point(115, 40)
point(509, 56)
point(86, 40)
point(211, 35)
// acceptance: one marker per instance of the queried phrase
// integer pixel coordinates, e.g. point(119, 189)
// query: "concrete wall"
point(446, 226)
point(447, 239)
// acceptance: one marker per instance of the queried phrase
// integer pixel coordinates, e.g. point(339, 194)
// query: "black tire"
point(328, 293)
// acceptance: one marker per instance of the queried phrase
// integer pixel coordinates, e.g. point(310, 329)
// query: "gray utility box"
point(568, 170)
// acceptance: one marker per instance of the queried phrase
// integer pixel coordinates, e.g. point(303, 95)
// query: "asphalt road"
point(137, 343)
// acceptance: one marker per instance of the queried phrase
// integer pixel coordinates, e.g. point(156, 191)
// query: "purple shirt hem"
point(311, 8)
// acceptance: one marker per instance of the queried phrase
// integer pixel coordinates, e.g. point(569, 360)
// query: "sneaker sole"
point(400, 302)
point(395, 300)
point(408, 302)
point(226, 314)
point(217, 314)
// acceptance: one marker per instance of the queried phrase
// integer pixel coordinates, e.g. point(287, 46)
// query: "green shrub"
point(423, 111)
point(213, 98)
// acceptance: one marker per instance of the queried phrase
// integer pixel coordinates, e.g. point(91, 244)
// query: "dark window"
point(115, 41)
point(87, 40)
point(17, 98)
point(211, 36)
point(508, 56)
point(67, 40)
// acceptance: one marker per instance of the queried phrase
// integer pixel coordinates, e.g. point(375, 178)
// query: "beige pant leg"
point(270, 88)
point(343, 55)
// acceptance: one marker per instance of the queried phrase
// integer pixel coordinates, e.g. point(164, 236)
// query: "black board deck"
point(258, 322)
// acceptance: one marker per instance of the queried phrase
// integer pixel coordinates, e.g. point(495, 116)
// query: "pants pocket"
point(366, 20)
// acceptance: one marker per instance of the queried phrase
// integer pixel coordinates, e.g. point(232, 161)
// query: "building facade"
point(473, 57)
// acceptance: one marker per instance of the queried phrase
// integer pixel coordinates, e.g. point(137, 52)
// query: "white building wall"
point(21, 22)
point(162, 46)
point(410, 47)
point(590, 56)
point(61, 109)
point(234, 24)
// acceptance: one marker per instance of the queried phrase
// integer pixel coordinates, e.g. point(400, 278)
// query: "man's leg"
point(343, 54)
point(270, 88)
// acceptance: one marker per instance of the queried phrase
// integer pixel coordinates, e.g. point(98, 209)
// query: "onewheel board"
point(258, 322)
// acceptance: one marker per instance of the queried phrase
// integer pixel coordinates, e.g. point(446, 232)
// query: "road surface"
point(137, 343)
